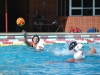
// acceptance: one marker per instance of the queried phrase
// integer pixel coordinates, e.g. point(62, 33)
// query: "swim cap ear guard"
point(37, 37)
point(72, 45)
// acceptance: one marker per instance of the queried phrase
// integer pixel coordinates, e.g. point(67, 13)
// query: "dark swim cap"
point(37, 37)
point(72, 45)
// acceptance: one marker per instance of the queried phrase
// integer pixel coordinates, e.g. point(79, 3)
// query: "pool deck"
point(46, 33)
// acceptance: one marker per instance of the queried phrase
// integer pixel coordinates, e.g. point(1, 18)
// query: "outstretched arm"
point(25, 39)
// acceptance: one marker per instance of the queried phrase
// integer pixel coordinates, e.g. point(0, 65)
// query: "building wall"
point(49, 10)
point(82, 22)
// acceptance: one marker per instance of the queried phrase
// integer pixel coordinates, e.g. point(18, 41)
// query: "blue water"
point(22, 60)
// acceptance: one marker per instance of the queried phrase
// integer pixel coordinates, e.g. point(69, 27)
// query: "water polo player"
point(35, 42)
point(78, 52)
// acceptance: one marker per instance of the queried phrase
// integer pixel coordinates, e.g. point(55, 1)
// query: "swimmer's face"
point(36, 12)
point(35, 40)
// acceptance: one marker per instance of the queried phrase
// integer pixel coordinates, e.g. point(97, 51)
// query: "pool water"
point(22, 60)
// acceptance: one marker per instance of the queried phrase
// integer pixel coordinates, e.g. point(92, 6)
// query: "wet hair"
point(72, 45)
point(37, 37)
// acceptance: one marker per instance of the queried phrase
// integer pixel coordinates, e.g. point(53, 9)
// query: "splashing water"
point(62, 52)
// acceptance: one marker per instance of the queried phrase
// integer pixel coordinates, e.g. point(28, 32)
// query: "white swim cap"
point(79, 47)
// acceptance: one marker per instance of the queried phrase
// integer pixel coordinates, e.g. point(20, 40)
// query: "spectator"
point(36, 16)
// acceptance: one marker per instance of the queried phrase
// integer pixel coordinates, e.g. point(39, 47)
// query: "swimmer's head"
point(35, 39)
point(72, 45)
point(92, 50)
point(76, 46)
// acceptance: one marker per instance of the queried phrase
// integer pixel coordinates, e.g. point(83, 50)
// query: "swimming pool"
point(21, 60)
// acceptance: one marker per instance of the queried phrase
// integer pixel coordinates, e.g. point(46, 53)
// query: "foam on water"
point(61, 52)
point(64, 51)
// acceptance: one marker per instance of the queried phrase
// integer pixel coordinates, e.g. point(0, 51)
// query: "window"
point(97, 3)
point(87, 3)
point(84, 7)
point(78, 7)
point(97, 7)
point(97, 11)
point(76, 12)
point(76, 3)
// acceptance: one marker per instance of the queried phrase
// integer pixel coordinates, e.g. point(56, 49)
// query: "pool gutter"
point(7, 39)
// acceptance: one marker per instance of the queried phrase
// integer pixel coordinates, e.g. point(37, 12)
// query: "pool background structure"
point(17, 59)
point(7, 39)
